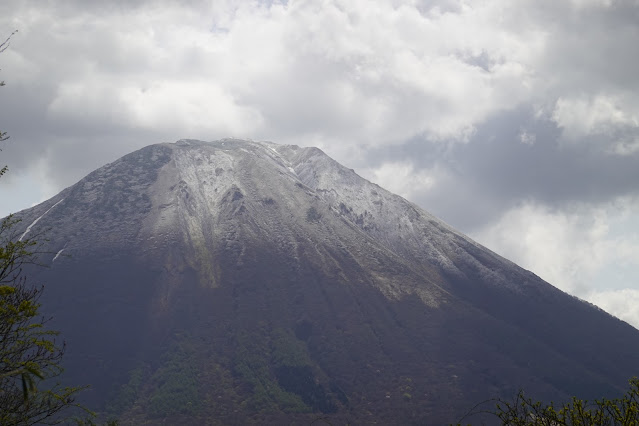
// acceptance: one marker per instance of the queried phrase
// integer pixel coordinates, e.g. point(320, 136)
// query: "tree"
point(29, 353)
point(524, 411)
point(622, 411)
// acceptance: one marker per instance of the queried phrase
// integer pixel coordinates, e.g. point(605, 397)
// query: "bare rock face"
point(238, 282)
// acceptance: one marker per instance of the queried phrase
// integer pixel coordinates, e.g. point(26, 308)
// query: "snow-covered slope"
point(228, 194)
point(223, 195)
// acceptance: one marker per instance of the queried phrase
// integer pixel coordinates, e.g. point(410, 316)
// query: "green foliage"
point(128, 393)
point(294, 373)
point(280, 373)
point(524, 411)
point(288, 351)
point(252, 365)
point(620, 411)
point(177, 385)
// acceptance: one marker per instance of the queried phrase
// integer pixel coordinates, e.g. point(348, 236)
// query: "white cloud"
point(626, 146)
point(178, 105)
point(527, 138)
point(341, 71)
point(370, 73)
point(335, 71)
point(582, 116)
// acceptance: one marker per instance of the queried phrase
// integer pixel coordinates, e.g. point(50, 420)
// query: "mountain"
point(239, 282)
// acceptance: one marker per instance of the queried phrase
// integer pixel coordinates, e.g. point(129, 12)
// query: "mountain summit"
point(239, 282)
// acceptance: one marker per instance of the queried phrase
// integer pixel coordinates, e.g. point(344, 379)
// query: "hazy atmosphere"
point(515, 122)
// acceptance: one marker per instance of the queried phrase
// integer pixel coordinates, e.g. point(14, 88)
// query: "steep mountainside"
point(244, 282)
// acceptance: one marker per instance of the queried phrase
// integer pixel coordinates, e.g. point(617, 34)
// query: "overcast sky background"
point(517, 122)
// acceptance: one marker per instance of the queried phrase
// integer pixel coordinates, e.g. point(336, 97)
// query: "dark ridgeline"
point(237, 282)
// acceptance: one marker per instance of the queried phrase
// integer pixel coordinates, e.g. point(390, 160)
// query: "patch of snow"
point(36, 221)
point(57, 254)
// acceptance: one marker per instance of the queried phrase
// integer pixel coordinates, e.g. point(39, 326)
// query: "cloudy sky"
point(517, 122)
